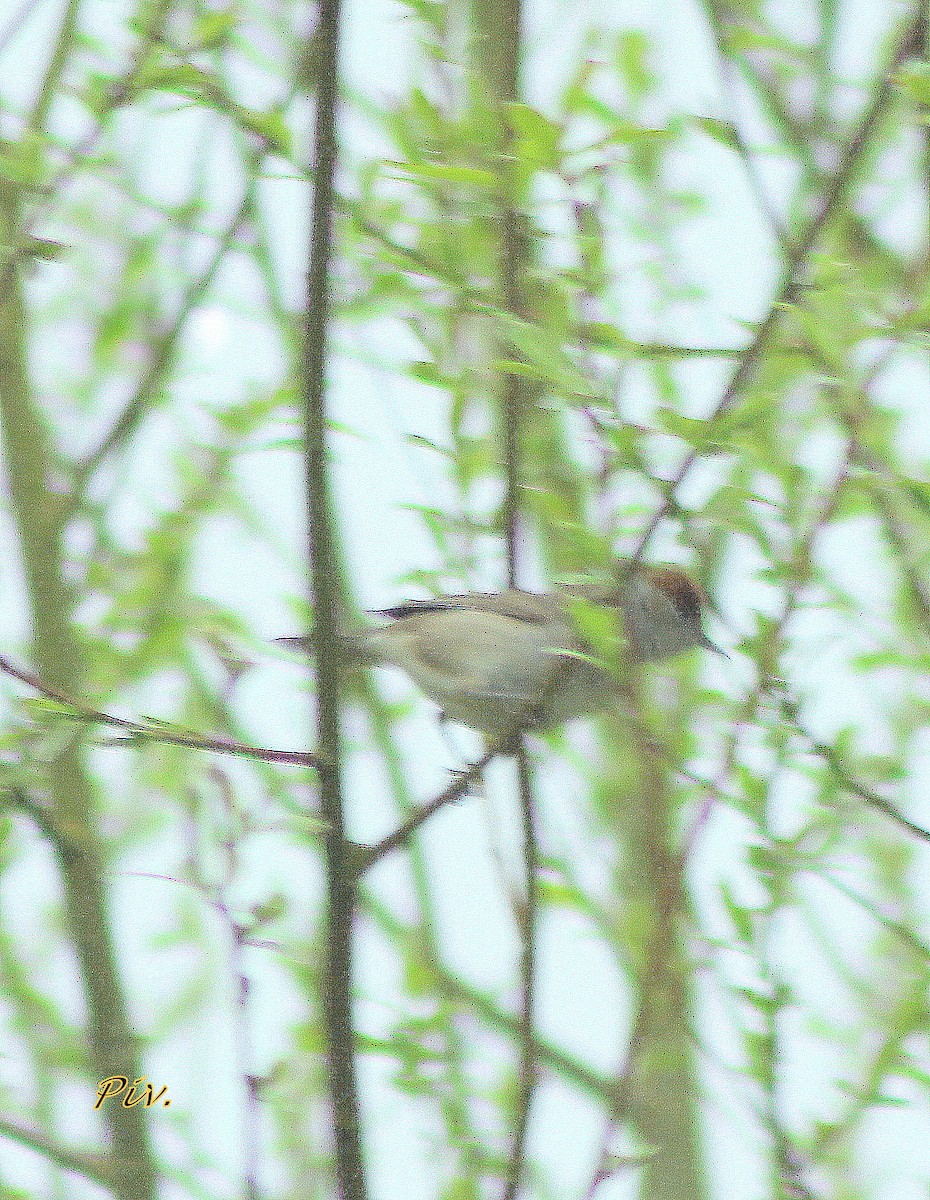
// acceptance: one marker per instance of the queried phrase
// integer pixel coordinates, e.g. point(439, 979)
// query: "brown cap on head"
point(687, 596)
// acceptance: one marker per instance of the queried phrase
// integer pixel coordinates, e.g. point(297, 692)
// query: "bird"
point(505, 662)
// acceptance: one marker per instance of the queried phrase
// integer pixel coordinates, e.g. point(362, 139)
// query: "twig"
point(461, 994)
point(17, 20)
point(244, 1036)
point(151, 732)
point(847, 781)
point(89, 1166)
point(730, 99)
point(112, 1045)
point(60, 838)
point(506, 743)
point(64, 45)
point(653, 979)
point(886, 920)
point(788, 287)
point(456, 789)
point(167, 343)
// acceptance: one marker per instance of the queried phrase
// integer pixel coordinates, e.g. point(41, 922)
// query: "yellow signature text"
point(116, 1085)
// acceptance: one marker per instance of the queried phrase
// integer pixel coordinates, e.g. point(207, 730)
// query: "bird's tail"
point(357, 649)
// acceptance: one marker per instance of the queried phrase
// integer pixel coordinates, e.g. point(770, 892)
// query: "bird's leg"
point(444, 722)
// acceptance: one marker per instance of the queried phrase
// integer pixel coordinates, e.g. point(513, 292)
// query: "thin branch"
point(662, 944)
point(453, 1090)
point(163, 351)
point(89, 1166)
point(476, 1003)
point(886, 920)
point(923, 40)
point(156, 18)
point(499, 30)
point(17, 20)
point(852, 421)
point(800, 139)
point(456, 789)
point(506, 743)
point(787, 290)
point(65, 843)
point(848, 781)
point(152, 732)
point(527, 917)
point(51, 80)
point(55, 188)
point(728, 94)
point(29, 463)
point(659, 1002)
point(340, 880)
point(238, 933)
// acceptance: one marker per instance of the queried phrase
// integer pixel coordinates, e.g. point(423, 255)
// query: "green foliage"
point(746, 836)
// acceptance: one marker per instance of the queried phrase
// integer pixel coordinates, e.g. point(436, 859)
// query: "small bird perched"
point(502, 661)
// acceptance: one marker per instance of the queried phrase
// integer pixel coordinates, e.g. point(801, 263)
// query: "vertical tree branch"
point(340, 883)
point(922, 37)
point(497, 29)
point(41, 514)
point(656, 1087)
point(500, 33)
point(528, 910)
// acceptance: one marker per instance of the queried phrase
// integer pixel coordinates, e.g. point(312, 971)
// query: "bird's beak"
point(709, 645)
point(292, 643)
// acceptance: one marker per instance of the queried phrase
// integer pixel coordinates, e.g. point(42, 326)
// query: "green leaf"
point(428, 373)
point(460, 1189)
point(443, 173)
point(763, 1002)
point(543, 357)
point(701, 434)
point(577, 89)
point(760, 1051)
point(184, 78)
point(914, 79)
point(631, 58)
point(44, 248)
point(739, 914)
point(40, 706)
point(599, 627)
point(752, 796)
point(732, 508)
point(724, 132)
point(743, 39)
point(24, 162)
point(538, 137)
point(268, 124)
point(213, 28)
point(431, 12)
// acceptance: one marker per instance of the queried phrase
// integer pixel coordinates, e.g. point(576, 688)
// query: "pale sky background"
point(378, 473)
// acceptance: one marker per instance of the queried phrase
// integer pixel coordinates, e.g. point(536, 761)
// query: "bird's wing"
point(529, 607)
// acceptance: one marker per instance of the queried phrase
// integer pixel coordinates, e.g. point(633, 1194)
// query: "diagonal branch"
point(92, 1167)
point(787, 291)
point(846, 780)
point(165, 346)
point(149, 731)
point(402, 834)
